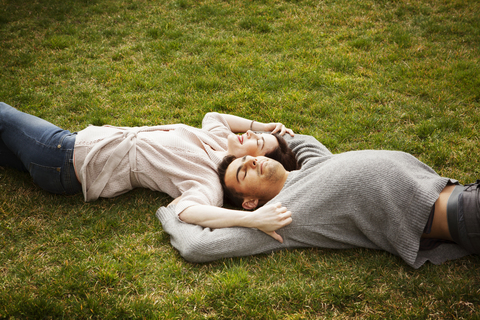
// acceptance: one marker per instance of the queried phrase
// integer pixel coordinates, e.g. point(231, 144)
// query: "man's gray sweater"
point(371, 199)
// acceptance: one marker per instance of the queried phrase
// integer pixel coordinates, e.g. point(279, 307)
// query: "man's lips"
point(240, 139)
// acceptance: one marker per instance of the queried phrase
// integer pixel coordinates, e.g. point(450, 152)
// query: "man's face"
point(255, 177)
point(251, 144)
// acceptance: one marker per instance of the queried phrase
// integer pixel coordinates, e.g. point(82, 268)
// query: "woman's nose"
point(251, 134)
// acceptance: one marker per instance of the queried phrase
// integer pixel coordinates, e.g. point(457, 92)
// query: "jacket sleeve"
point(198, 244)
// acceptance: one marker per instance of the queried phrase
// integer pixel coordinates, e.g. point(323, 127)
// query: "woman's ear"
point(250, 204)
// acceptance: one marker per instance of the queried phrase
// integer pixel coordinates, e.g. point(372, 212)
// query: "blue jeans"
point(31, 144)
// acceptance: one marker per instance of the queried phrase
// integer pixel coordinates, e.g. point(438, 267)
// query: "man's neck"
point(275, 190)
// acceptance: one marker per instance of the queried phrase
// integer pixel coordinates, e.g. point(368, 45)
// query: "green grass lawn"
point(373, 74)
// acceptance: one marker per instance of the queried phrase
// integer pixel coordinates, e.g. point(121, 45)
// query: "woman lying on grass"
point(108, 161)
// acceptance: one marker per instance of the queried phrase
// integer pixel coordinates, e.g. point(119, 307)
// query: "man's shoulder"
point(303, 141)
point(307, 148)
point(298, 138)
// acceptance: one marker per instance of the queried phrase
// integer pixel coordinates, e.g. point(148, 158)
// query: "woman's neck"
point(220, 154)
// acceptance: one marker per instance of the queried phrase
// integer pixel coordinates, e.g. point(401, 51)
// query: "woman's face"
point(251, 144)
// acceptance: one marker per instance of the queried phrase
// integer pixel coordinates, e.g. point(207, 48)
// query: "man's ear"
point(250, 204)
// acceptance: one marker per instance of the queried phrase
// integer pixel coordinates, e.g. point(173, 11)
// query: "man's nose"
point(251, 161)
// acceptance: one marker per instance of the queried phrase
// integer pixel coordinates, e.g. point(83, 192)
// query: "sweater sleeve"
point(215, 123)
point(198, 244)
point(202, 192)
point(306, 148)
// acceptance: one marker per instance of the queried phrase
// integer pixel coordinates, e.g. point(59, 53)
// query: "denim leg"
point(471, 215)
point(44, 149)
point(9, 159)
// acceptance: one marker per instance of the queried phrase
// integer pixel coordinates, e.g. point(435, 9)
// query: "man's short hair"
point(229, 194)
point(282, 154)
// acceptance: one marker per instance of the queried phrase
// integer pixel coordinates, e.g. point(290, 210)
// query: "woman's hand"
point(270, 218)
point(275, 127)
point(239, 124)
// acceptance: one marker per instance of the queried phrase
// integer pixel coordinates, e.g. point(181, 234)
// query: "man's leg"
point(457, 216)
point(467, 216)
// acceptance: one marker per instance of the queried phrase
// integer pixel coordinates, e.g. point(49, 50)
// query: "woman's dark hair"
point(282, 154)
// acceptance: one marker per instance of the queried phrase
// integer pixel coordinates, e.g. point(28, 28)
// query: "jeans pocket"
point(47, 178)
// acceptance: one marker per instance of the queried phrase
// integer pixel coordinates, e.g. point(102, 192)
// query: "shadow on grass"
point(43, 10)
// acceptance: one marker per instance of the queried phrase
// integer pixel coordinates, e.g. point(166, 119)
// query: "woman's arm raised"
point(239, 124)
point(198, 244)
point(268, 218)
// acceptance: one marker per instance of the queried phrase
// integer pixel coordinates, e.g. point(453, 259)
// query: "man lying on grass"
point(385, 200)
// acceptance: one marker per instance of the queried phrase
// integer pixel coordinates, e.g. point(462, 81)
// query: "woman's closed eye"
point(261, 143)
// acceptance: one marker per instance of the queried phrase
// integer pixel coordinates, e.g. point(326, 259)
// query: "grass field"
point(373, 74)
